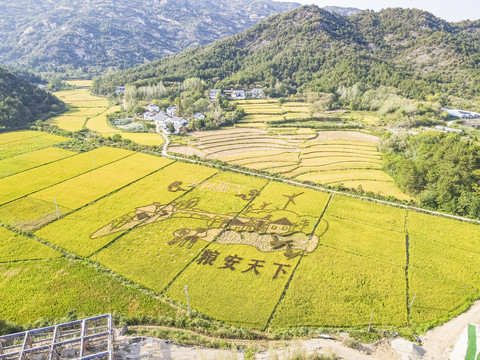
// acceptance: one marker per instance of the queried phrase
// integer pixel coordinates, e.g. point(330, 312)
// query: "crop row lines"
point(37, 166)
point(214, 240)
point(282, 296)
point(318, 188)
point(70, 178)
point(104, 196)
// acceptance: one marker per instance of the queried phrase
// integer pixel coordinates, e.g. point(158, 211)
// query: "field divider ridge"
point(103, 196)
point(70, 178)
point(407, 264)
point(39, 165)
point(287, 285)
point(313, 187)
point(214, 240)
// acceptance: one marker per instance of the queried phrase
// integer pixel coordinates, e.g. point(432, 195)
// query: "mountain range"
point(309, 48)
point(91, 36)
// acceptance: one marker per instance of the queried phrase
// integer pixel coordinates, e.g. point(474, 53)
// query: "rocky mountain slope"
point(310, 48)
point(92, 36)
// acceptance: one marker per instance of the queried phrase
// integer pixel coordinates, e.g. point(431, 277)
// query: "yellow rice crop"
point(73, 232)
point(22, 162)
point(20, 146)
point(29, 181)
point(28, 214)
point(327, 177)
point(14, 247)
point(83, 189)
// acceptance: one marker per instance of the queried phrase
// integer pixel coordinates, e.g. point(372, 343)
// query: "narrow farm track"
point(276, 349)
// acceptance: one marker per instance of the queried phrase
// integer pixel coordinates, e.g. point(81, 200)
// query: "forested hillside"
point(22, 102)
point(441, 171)
point(85, 36)
point(311, 49)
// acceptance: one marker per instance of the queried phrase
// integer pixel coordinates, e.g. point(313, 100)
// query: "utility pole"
point(370, 325)
point(188, 303)
point(56, 205)
point(414, 296)
point(93, 162)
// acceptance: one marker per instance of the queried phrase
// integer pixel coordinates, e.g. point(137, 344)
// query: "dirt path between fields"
point(438, 342)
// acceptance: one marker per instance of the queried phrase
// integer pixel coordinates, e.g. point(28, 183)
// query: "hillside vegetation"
point(22, 102)
point(310, 49)
point(92, 36)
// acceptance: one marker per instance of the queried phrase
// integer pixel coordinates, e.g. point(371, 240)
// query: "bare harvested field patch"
point(346, 135)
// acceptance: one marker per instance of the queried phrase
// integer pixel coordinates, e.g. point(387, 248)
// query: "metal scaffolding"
point(86, 339)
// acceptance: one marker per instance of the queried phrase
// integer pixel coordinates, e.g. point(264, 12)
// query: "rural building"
point(161, 117)
point(443, 129)
point(257, 93)
point(153, 108)
point(198, 116)
point(462, 114)
point(180, 124)
point(447, 129)
point(172, 111)
point(42, 87)
point(148, 116)
point(239, 94)
point(120, 90)
point(213, 93)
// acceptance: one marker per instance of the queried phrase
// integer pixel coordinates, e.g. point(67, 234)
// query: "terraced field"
point(343, 158)
point(253, 252)
point(82, 106)
point(259, 112)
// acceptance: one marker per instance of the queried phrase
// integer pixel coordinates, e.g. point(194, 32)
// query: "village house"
point(462, 114)
point(153, 108)
point(257, 93)
point(161, 117)
point(120, 90)
point(180, 124)
point(213, 93)
point(239, 95)
point(172, 111)
point(199, 116)
point(443, 129)
point(149, 116)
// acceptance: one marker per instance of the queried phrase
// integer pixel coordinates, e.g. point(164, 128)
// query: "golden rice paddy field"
point(82, 106)
point(89, 111)
point(259, 112)
point(253, 252)
point(340, 158)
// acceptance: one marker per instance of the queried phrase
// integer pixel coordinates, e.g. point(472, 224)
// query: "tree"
point(171, 128)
